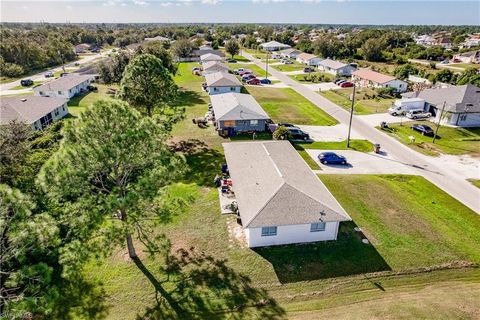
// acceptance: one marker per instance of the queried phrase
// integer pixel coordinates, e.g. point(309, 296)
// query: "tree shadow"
point(189, 98)
point(202, 287)
point(348, 255)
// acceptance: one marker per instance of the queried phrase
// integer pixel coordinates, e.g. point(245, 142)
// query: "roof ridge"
point(265, 204)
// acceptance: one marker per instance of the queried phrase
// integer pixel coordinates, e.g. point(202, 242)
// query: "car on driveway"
point(308, 70)
point(286, 61)
point(242, 73)
point(240, 70)
point(253, 81)
point(48, 74)
point(297, 134)
point(346, 84)
point(265, 81)
point(423, 129)
point(418, 114)
point(331, 158)
point(26, 82)
point(247, 77)
point(339, 82)
point(231, 61)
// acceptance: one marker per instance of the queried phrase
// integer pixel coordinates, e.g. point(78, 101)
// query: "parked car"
point(26, 82)
point(423, 129)
point(297, 134)
point(253, 81)
point(332, 158)
point(92, 88)
point(48, 74)
point(237, 71)
point(196, 69)
point(286, 61)
point(346, 84)
point(231, 61)
point(245, 72)
point(247, 77)
point(308, 70)
point(276, 56)
point(418, 114)
point(265, 81)
point(339, 81)
point(288, 125)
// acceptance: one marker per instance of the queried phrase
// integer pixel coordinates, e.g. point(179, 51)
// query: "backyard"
point(450, 140)
point(78, 103)
point(295, 66)
point(285, 104)
point(367, 100)
point(313, 77)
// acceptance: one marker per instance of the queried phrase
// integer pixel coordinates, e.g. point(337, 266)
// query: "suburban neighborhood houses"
point(261, 170)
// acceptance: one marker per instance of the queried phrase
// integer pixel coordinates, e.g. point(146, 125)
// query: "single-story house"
point(64, 87)
point(280, 199)
point(308, 59)
point(214, 66)
point(290, 53)
point(205, 47)
point(462, 104)
point(195, 55)
point(222, 82)
point(274, 46)
point(467, 57)
point(36, 111)
point(157, 38)
point(336, 68)
point(82, 48)
point(210, 57)
point(372, 79)
point(238, 111)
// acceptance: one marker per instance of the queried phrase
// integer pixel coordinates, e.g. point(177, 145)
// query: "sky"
point(398, 12)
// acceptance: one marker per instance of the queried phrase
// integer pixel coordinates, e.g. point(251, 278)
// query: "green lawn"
point(317, 76)
point(289, 67)
point(77, 104)
point(464, 65)
point(240, 58)
point(259, 72)
point(285, 104)
point(20, 87)
point(366, 100)
point(475, 182)
point(450, 140)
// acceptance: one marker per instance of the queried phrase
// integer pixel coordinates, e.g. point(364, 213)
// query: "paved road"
point(5, 88)
point(437, 65)
point(448, 180)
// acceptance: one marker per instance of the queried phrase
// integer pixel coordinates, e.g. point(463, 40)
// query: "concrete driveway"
point(330, 133)
point(362, 163)
point(374, 120)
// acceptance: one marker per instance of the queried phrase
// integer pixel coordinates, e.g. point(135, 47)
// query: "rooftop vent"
point(24, 99)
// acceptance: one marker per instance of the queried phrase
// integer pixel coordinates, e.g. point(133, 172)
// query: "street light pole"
point(438, 124)
point(351, 116)
point(266, 69)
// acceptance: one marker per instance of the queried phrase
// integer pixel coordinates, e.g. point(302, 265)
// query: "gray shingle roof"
point(64, 83)
point(332, 64)
point(274, 186)
point(210, 57)
point(237, 106)
point(27, 109)
point(458, 99)
point(222, 79)
point(214, 65)
point(274, 44)
point(290, 51)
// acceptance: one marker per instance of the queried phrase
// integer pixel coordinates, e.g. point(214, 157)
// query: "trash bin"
point(376, 148)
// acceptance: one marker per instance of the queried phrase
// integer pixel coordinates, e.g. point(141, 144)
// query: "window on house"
point(463, 117)
point(253, 122)
point(56, 112)
point(41, 93)
point(59, 92)
point(215, 89)
point(232, 88)
point(316, 227)
point(63, 108)
point(269, 231)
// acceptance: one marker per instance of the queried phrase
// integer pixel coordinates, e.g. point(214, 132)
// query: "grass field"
point(307, 77)
point(285, 104)
point(364, 103)
point(259, 72)
point(475, 182)
point(20, 87)
point(78, 103)
point(464, 65)
point(289, 67)
point(449, 140)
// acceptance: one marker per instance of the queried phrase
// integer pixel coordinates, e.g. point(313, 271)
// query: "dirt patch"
point(236, 235)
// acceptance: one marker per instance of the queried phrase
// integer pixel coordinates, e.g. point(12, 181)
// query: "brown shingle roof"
point(373, 76)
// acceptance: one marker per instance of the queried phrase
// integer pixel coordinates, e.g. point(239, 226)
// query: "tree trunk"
point(131, 249)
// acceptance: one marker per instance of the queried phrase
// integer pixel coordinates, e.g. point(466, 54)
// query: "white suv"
point(418, 114)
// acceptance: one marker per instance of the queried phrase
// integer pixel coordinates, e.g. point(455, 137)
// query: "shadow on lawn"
point(202, 287)
point(189, 98)
point(343, 257)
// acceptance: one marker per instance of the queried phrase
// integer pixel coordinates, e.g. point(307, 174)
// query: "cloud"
point(140, 3)
point(211, 2)
point(69, 7)
point(267, 1)
point(166, 4)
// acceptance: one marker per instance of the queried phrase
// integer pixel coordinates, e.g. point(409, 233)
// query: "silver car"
point(418, 114)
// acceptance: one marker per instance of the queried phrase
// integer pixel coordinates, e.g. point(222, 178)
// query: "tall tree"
point(232, 47)
point(157, 49)
point(13, 150)
point(182, 48)
point(327, 46)
point(147, 85)
point(372, 49)
point(109, 176)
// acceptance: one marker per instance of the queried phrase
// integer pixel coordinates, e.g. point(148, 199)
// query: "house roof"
point(373, 75)
point(290, 51)
point(222, 79)
point(27, 109)
point(201, 52)
point(306, 56)
point(214, 65)
point(63, 83)
point(332, 64)
point(237, 106)
point(210, 57)
point(274, 186)
point(157, 38)
point(274, 44)
point(457, 99)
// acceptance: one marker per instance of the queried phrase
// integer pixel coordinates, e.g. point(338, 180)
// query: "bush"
point(281, 133)
point(389, 91)
point(11, 70)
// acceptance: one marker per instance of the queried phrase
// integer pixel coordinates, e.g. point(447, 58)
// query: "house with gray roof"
point(462, 104)
point(222, 82)
point(274, 46)
point(36, 111)
point(290, 53)
point(64, 87)
point(210, 57)
point(280, 199)
point(214, 66)
point(335, 67)
point(238, 111)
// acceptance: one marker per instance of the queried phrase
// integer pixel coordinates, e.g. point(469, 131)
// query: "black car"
point(287, 125)
point(26, 82)
point(231, 61)
point(308, 70)
point(423, 129)
point(297, 134)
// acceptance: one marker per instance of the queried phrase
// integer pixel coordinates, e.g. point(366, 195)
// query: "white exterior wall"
point(62, 111)
point(459, 119)
point(66, 94)
point(289, 234)
point(399, 85)
point(218, 90)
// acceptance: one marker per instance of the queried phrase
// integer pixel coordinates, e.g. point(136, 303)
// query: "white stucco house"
point(280, 199)
point(336, 68)
point(64, 87)
point(210, 57)
point(222, 82)
point(462, 104)
point(274, 46)
point(290, 53)
point(308, 59)
point(214, 66)
point(372, 79)
point(36, 111)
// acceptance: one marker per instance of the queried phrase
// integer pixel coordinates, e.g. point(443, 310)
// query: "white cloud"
point(123, 4)
point(110, 3)
point(166, 4)
point(212, 2)
point(140, 3)
point(267, 1)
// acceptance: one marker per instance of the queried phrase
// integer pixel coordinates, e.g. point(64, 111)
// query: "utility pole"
point(438, 124)
point(351, 116)
point(266, 69)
